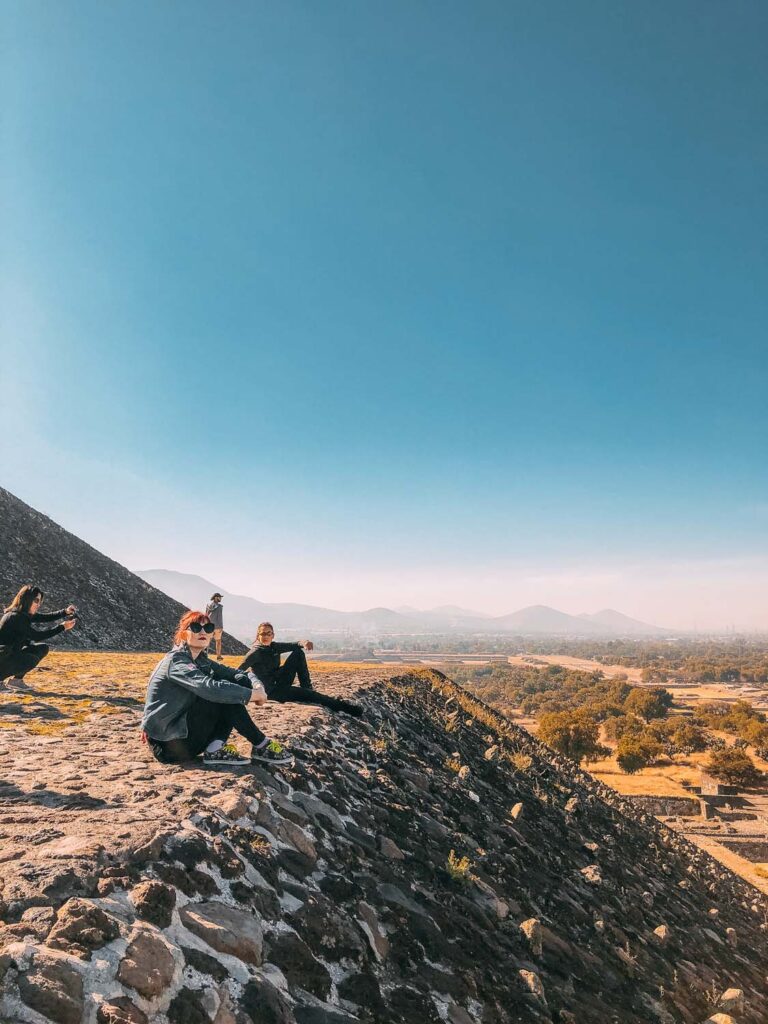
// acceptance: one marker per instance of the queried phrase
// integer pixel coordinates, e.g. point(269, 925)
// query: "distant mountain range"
point(118, 611)
point(243, 614)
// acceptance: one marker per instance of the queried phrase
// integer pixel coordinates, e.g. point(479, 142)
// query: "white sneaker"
point(16, 684)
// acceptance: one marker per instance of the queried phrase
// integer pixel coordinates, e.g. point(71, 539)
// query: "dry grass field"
point(583, 664)
point(663, 779)
point(71, 685)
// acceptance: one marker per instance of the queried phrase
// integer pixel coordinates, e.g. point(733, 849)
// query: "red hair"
point(185, 622)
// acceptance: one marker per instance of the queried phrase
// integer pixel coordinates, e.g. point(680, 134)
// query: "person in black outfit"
point(20, 647)
point(263, 659)
point(193, 704)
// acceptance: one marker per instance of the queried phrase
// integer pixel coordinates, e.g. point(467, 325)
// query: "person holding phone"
point(21, 649)
point(193, 704)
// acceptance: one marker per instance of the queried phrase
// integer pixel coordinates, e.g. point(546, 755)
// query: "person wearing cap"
point(215, 613)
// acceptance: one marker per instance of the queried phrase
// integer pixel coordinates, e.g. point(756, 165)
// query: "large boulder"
point(148, 965)
point(81, 927)
point(53, 987)
point(154, 902)
point(225, 929)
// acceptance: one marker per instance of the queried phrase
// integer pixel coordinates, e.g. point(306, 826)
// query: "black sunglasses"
point(201, 627)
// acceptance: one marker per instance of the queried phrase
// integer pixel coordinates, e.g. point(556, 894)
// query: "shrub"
point(521, 761)
point(615, 728)
point(649, 703)
point(688, 739)
point(635, 752)
point(459, 868)
point(733, 767)
point(572, 734)
point(756, 733)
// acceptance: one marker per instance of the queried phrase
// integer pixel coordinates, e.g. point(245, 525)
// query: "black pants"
point(207, 721)
point(285, 692)
point(18, 663)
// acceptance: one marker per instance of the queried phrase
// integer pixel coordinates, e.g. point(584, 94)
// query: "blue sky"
point(361, 304)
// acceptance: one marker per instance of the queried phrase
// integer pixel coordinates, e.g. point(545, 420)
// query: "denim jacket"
point(177, 681)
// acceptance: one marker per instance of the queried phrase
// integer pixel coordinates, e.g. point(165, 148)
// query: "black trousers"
point(18, 663)
point(285, 692)
point(207, 721)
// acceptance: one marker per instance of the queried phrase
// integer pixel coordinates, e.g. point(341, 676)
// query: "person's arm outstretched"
point(46, 634)
point(65, 613)
point(294, 645)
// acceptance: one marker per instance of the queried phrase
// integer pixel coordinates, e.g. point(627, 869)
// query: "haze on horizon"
point(420, 305)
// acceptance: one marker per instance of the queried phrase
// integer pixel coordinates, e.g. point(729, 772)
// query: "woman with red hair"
point(193, 704)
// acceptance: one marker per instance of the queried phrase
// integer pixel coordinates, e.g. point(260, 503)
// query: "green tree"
point(756, 733)
point(733, 767)
point(649, 703)
point(634, 752)
point(615, 728)
point(688, 739)
point(572, 734)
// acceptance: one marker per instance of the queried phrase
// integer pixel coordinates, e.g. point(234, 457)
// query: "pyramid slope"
point(118, 610)
point(384, 880)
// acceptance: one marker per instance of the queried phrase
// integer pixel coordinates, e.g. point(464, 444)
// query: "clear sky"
point(358, 303)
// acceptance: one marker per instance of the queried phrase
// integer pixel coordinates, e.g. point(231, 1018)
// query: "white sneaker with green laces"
point(227, 755)
point(272, 753)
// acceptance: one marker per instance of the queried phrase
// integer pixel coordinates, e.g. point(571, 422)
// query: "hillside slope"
point(329, 893)
point(118, 610)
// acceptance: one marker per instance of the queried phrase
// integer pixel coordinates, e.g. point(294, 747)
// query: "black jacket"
point(16, 629)
point(264, 661)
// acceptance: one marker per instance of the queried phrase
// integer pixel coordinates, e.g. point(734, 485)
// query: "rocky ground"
point(431, 862)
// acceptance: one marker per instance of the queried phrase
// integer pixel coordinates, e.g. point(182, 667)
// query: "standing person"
point(193, 704)
point(215, 613)
point(20, 647)
point(263, 659)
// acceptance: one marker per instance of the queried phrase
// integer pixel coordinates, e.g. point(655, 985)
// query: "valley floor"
point(666, 778)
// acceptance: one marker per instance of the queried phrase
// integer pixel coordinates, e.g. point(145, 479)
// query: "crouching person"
point(193, 704)
point(20, 647)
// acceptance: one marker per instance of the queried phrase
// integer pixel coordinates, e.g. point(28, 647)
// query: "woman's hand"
point(258, 693)
point(307, 645)
point(69, 624)
point(71, 609)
